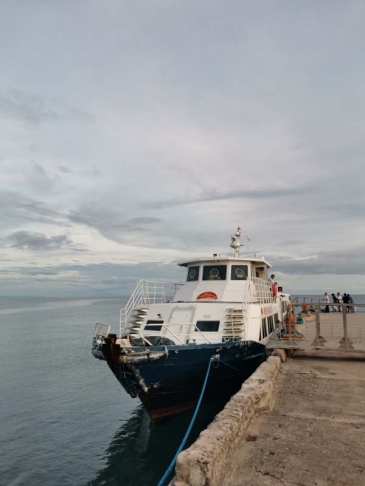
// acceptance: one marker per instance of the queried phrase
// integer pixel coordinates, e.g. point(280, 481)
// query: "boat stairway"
point(233, 323)
point(137, 318)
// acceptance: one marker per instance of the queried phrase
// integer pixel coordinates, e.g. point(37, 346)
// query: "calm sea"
point(65, 420)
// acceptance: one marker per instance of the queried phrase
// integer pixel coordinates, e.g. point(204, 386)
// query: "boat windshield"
point(193, 274)
point(239, 272)
point(215, 272)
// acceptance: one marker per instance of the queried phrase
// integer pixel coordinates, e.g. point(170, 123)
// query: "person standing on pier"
point(326, 301)
point(339, 300)
point(335, 301)
point(345, 300)
point(351, 301)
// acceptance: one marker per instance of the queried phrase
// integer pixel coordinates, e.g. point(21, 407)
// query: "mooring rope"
point(230, 366)
point(172, 464)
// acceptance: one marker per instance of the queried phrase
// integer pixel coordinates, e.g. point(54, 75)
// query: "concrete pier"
point(208, 460)
point(303, 425)
point(315, 433)
point(297, 421)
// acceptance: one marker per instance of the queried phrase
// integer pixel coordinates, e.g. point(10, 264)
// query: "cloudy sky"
point(134, 134)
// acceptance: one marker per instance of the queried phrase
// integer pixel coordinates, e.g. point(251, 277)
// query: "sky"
point(137, 134)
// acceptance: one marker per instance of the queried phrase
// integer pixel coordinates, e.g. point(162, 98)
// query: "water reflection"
point(141, 451)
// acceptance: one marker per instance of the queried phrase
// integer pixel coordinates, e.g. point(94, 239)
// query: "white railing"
point(101, 331)
point(147, 292)
point(258, 291)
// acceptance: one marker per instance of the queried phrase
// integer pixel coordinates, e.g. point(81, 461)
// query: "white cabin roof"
point(225, 259)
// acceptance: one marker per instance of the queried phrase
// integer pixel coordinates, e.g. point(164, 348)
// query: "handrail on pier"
point(293, 339)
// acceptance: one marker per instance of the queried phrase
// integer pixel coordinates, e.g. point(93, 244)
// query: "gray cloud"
point(93, 172)
point(111, 222)
point(204, 117)
point(26, 107)
point(66, 170)
point(80, 115)
point(37, 241)
point(344, 262)
point(141, 221)
point(45, 271)
point(33, 110)
point(33, 206)
point(39, 178)
point(16, 207)
point(216, 194)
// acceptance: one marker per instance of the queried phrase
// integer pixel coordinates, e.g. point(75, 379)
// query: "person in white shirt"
point(339, 298)
point(326, 301)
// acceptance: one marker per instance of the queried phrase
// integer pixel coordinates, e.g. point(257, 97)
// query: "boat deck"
point(325, 331)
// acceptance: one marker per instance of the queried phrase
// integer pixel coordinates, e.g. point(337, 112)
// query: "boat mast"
point(236, 242)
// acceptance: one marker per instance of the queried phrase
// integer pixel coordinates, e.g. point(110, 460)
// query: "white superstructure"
point(223, 298)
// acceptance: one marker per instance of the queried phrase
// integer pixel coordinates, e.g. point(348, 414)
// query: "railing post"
point(345, 342)
point(318, 340)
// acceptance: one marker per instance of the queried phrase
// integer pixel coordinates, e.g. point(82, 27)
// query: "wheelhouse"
point(225, 277)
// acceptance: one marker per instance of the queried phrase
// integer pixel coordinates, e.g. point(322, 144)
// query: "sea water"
point(64, 418)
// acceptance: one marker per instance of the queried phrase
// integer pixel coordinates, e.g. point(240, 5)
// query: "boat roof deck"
point(225, 259)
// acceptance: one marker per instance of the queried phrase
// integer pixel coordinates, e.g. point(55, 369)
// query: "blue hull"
point(168, 379)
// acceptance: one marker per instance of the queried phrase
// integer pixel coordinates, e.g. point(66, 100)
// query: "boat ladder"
point(233, 323)
point(137, 318)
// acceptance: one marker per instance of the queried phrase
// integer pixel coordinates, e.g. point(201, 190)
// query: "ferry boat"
point(168, 333)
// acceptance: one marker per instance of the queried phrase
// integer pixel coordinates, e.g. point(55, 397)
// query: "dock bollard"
point(345, 342)
point(318, 340)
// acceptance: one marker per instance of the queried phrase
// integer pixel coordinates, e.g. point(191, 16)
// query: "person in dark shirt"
point(351, 301)
point(335, 308)
point(345, 300)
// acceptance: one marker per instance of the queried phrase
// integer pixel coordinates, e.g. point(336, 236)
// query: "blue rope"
point(172, 464)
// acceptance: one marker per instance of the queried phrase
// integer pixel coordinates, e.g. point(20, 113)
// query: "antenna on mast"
point(236, 242)
point(248, 239)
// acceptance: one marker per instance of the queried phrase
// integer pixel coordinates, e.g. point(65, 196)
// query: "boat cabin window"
point(152, 325)
point(215, 272)
point(270, 323)
point(260, 272)
point(193, 274)
point(263, 330)
point(207, 326)
point(239, 272)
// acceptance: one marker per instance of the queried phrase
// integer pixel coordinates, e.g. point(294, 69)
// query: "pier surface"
point(315, 433)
